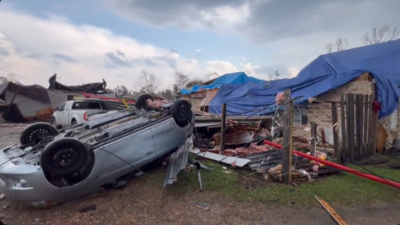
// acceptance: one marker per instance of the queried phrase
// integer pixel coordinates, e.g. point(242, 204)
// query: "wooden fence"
point(357, 127)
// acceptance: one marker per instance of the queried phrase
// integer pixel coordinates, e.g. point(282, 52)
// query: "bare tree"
point(376, 35)
point(193, 82)
point(329, 48)
point(176, 89)
point(379, 35)
point(340, 45)
point(181, 80)
point(148, 82)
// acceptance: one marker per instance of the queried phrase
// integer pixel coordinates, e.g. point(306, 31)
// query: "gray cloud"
point(268, 71)
point(117, 60)
point(269, 20)
point(4, 52)
point(64, 58)
point(168, 12)
point(158, 61)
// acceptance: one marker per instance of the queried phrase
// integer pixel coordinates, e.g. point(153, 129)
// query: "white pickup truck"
point(77, 111)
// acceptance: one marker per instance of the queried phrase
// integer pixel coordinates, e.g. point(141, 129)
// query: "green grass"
point(240, 184)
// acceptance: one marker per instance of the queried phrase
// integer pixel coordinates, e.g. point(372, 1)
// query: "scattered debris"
point(178, 161)
point(202, 206)
point(88, 208)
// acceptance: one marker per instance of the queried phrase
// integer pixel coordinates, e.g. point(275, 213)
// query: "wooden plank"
point(359, 125)
point(287, 139)
point(313, 138)
point(374, 119)
point(223, 124)
point(331, 212)
point(350, 126)
point(366, 126)
point(370, 128)
point(343, 127)
point(334, 130)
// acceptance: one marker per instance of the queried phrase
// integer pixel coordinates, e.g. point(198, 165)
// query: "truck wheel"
point(141, 101)
point(63, 157)
point(34, 133)
point(181, 110)
point(73, 122)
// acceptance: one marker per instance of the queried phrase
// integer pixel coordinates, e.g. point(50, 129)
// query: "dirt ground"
point(143, 203)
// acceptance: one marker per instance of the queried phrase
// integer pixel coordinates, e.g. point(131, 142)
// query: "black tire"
point(181, 110)
point(141, 101)
point(34, 133)
point(69, 151)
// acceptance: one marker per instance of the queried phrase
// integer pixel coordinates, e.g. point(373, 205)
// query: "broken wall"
point(27, 106)
point(321, 113)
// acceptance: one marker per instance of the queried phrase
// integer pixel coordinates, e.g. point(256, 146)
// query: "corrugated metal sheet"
point(239, 162)
point(178, 161)
point(27, 106)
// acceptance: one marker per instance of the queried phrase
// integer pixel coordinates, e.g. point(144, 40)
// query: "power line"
point(16, 75)
point(9, 37)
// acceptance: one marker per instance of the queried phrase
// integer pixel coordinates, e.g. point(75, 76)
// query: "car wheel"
point(181, 110)
point(36, 132)
point(63, 157)
point(141, 101)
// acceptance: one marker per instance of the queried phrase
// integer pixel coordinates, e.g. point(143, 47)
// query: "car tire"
point(141, 101)
point(64, 157)
point(35, 132)
point(181, 110)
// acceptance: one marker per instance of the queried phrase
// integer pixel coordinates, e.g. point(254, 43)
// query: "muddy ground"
point(142, 202)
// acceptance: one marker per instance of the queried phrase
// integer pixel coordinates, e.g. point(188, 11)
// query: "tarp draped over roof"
point(326, 72)
point(230, 78)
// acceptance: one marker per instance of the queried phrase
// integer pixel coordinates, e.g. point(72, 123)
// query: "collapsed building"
point(22, 103)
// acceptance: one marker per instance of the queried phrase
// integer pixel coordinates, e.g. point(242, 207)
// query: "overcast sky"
point(86, 41)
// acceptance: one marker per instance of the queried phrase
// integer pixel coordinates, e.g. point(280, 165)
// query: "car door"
point(131, 153)
point(167, 137)
point(62, 115)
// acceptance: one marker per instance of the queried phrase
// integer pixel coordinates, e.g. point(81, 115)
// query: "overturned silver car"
point(53, 166)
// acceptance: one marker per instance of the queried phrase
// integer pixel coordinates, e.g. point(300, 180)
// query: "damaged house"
point(20, 103)
point(62, 93)
point(368, 70)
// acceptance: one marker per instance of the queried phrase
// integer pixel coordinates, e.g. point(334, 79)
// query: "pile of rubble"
point(245, 147)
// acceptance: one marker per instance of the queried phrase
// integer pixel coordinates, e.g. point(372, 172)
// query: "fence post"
point(223, 124)
point(313, 138)
point(287, 139)
point(335, 120)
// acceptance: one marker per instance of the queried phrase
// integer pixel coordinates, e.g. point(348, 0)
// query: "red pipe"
point(338, 166)
point(86, 95)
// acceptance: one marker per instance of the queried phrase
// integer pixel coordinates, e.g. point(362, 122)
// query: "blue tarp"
point(230, 78)
point(324, 73)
